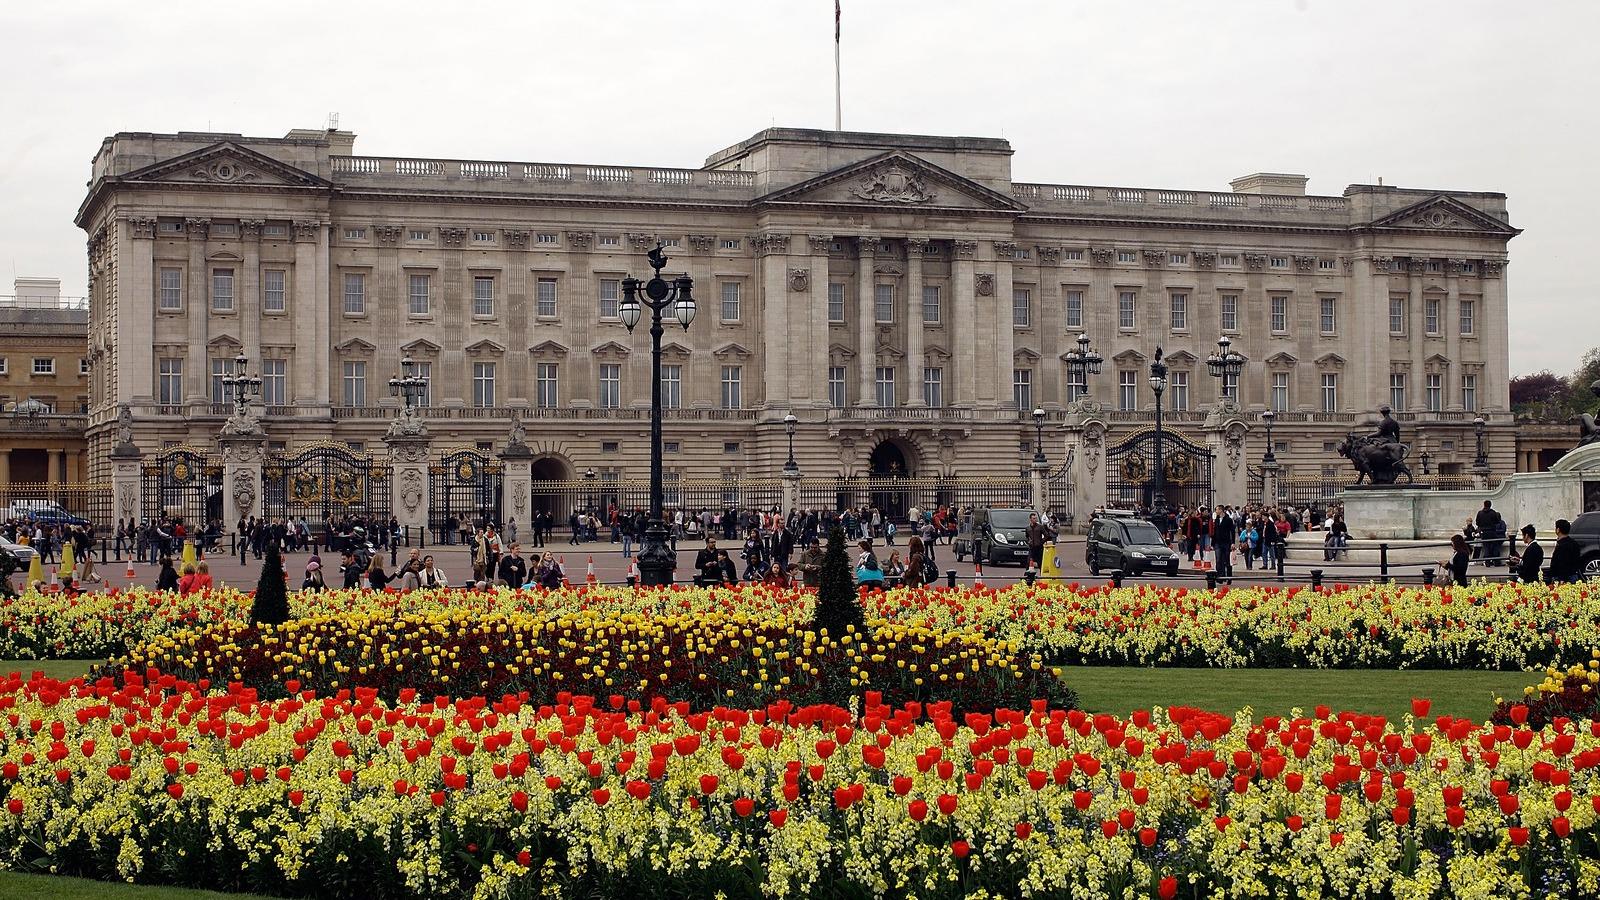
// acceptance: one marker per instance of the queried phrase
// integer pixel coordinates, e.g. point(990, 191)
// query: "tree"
point(271, 606)
point(837, 604)
point(1539, 389)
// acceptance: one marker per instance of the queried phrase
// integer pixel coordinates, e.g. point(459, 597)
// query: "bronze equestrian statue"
point(1588, 430)
point(1379, 458)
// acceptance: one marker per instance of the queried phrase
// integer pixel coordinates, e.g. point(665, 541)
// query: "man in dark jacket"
point(1223, 534)
point(513, 568)
point(1566, 560)
point(706, 564)
point(352, 572)
point(1492, 531)
point(1531, 558)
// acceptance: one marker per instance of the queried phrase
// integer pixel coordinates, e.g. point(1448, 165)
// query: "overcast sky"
point(1462, 95)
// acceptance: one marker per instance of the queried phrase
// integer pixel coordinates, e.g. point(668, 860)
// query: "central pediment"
point(893, 181)
point(226, 163)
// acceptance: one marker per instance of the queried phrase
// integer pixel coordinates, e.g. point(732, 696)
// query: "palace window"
point(1127, 390)
point(1075, 384)
point(355, 294)
point(221, 367)
point(1434, 393)
point(1072, 255)
point(1074, 309)
point(483, 296)
point(355, 383)
point(1021, 307)
point(44, 365)
point(1180, 312)
point(171, 289)
point(931, 302)
point(274, 382)
point(610, 385)
point(1280, 391)
point(1179, 391)
point(610, 240)
point(355, 234)
point(1469, 393)
point(1330, 319)
point(1230, 386)
point(732, 387)
point(883, 303)
point(483, 384)
point(1022, 388)
point(1430, 316)
point(835, 302)
point(1397, 314)
point(1229, 306)
point(933, 387)
point(487, 237)
point(731, 299)
point(610, 296)
point(1278, 262)
point(169, 380)
point(731, 243)
point(425, 372)
point(1126, 319)
point(1280, 314)
point(272, 291)
point(885, 385)
point(1330, 392)
point(222, 290)
point(1397, 390)
point(547, 238)
point(836, 395)
point(1228, 259)
point(1469, 311)
point(419, 234)
point(1127, 256)
point(672, 387)
point(545, 297)
point(417, 301)
point(549, 385)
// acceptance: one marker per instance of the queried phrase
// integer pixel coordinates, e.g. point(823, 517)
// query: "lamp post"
point(1426, 459)
point(588, 486)
point(1269, 457)
point(408, 384)
point(1480, 461)
point(790, 467)
point(1038, 436)
point(1226, 364)
point(1081, 363)
point(656, 559)
point(1158, 383)
point(242, 385)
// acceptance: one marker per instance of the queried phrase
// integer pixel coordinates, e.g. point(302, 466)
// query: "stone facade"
point(839, 276)
point(43, 349)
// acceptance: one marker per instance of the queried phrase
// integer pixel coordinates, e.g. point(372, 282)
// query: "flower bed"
point(157, 779)
point(1483, 626)
point(1573, 694)
point(706, 658)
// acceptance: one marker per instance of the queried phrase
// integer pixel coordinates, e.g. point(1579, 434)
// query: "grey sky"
point(1462, 95)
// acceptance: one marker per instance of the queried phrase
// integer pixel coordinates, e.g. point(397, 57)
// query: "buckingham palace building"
point(906, 300)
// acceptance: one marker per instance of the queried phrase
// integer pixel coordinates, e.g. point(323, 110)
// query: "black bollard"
point(422, 537)
point(1383, 560)
point(1316, 578)
point(1427, 576)
point(950, 578)
point(1027, 577)
point(1211, 579)
point(394, 554)
point(1280, 565)
point(1116, 578)
point(630, 581)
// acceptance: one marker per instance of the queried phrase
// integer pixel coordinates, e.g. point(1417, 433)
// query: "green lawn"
point(52, 668)
point(1121, 689)
point(14, 886)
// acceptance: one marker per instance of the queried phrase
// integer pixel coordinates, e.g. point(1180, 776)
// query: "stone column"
point(517, 478)
point(5, 466)
point(815, 364)
point(866, 325)
point(126, 484)
point(1037, 473)
point(313, 308)
point(241, 475)
point(1084, 444)
point(1225, 429)
point(1417, 388)
point(197, 311)
point(963, 274)
point(133, 353)
point(247, 296)
point(776, 337)
point(1005, 329)
point(914, 323)
point(408, 490)
point(1450, 322)
point(791, 491)
point(58, 467)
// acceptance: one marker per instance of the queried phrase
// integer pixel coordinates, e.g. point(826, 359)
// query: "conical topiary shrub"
point(271, 605)
point(837, 605)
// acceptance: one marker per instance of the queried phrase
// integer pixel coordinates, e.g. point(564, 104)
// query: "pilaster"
point(241, 475)
point(409, 459)
point(815, 364)
point(1225, 430)
point(1083, 442)
point(126, 481)
point(963, 277)
point(517, 461)
point(776, 337)
point(914, 325)
point(197, 312)
point(791, 491)
point(866, 326)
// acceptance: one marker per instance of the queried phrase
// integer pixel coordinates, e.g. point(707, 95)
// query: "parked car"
point(1586, 531)
point(44, 511)
point(1129, 543)
point(994, 536)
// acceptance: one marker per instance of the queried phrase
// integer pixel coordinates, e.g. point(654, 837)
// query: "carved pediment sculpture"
point(893, 183)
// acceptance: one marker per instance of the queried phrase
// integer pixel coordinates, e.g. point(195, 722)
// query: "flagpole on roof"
point(838, 104)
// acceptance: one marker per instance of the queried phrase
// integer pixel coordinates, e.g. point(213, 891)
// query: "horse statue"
point(1588, 429)
point(1377, 463)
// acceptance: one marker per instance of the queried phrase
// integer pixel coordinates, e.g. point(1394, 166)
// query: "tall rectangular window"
point(274, 382)
point(885, 384)
point(1179, 391)
point(545, 297)
point(1468, 313)
point(1397, 314)
point(1430, 316)
point(425, 372)
point(272, 291)
point(1434, 394)
point(221, 368)
point(731, 295)
point(418, 302)
point(672, 387)
point(883, 303)
point(1074, 309)
point(170, 380)
point(1022, 389)
point(1021, 307)
point(355, 294)
point(1469, 393)
point(610, 296)
point(355, 383)
point(483, 384)
point(1229, 306)
point(171, 289)
point(1230, 385)
point(836, 395)
point(1127, 390)
point(1329, 312)
point(1280, 391)
point(1180, 312)
point(549, 385)
point(933, 387)
point(732, 387)
point(483, 296)
point(610, 385)
point(222, 290)
point(1076, 387)
point(1280, 314)
point(835, 302)
point(1125, 310)
point(1397, 391)
point(1330, 392)
point(931, 302)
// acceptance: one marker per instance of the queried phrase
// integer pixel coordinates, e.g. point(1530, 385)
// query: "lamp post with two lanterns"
point(242, 386)
point(656, 559)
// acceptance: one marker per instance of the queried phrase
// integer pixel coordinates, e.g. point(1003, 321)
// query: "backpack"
point(930, 570)
point(871, 563)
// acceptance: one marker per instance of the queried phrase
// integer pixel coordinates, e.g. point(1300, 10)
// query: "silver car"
point(23, 554)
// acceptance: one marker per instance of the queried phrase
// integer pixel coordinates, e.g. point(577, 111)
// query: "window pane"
point(1125, 309)
point(885, 383)
point(1397, 315)
point(274, 382)
point(1469, 393)
point(1330, 392)
point(1280, 391)
point(610, 386)
point(417, 302)
point(355, 384)
point(545, 297)
point(1280, 314)
point(835, 302)
point(1127, 390)
point(1397, 390)
point(1230, 312)
point(1074, 309)
point(933, 387)
point(836, 395)
point(272, 292)
point(548, 386)
point(1468, 310)
point(883, 302)
point(732, 387)
point(1180, 312)
point(672, 387)
point(730, 301)
point(355, 293)
point(1022, 388)
point(610, 294)
point(930, 304)
point(1180, 391)
point(1021, 308)
point(171, 289)
point(222, 290)
point(483, 384)
point(1329, 316)
point(482, 296)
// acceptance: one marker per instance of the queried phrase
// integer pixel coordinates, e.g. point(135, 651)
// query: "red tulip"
point(1025, 829)
point(1455, 815)
point(918, 810)
point(778, 817)
point(1109, 828)
point(519, 800)
point(1561, 826)
point(1401, 815)
point(1420, 707)
point(524, 858)
point(14, 806)
point(1519, 715)
point(1168, 889)
point(601, 796)
point(708, 784)
point(1332, 804)
point(175, 790)
point(960, 849)
point(947, 804)
point(1509, 804)
point(744, 806)
point(298, 797)
point(1519, 835)
point(1294, 823)
point(1147, 837)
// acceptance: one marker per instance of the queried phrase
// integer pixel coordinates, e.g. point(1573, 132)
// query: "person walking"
point(1492, 530)
point(1223, 533)
point(513, 570)
point(916, 563)
point(811, 564)
point(1038, 532)
point(1457, 566)
point(1566, 559)
point(1531, 558)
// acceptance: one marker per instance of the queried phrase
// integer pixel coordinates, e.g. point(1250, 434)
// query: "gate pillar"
point(517, 461)
point(1084, 438)
point(1225, 429)
point(791, 490)
point(241, 476)
point(126, 472)
point(408, 469)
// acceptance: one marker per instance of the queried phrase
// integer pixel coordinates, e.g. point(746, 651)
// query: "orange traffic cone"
point(633, 569)
point(589, 575)
point(977, 578)
point(562, 562)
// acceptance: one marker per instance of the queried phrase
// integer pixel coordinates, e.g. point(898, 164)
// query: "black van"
point(1128, 543)
point(995, 536)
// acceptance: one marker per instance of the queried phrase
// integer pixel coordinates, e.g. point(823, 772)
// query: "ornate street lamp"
point(242, 385)
point(1480, 462)
point(1158, 383)
point(1426, 459)
point(408, 384)
point(1226, 364)
point(588, 485)
point(1269, 417)
point(1038, 436)
point(790, 467)
point(1081, 363)
point(656, 559)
